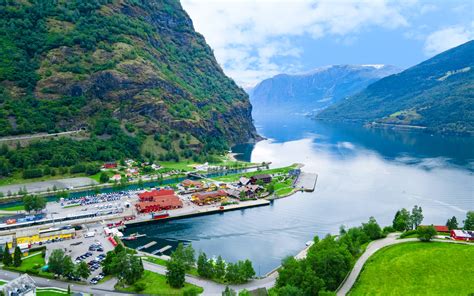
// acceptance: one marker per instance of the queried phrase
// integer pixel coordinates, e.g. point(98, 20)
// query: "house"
point(193, 184)
point(265, 178)
point(441, 228)
point(116, 177)
point(244, 181)
point(465, 235)
point(250, 191)
point(23, 285)
point(201, 198)
point(159, 203)
point(109, 165)
point(150, 195)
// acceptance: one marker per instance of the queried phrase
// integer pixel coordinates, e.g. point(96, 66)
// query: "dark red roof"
point(441, 228)
point(163, 202)
point(155, 193)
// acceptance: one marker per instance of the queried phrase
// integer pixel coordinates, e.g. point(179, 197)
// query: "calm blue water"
point(362, 173)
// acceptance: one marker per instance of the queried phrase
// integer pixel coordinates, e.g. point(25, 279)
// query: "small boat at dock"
point(134, 236)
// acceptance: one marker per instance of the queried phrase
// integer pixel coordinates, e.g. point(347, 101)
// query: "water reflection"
point(362, 173)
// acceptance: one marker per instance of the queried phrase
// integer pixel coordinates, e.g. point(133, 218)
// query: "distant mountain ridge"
point(314, 90)
point(437, 94)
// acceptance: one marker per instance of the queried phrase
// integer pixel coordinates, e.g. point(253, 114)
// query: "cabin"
point(202, 198)
point(464, 235)
point(265, 178)
point(150, 195)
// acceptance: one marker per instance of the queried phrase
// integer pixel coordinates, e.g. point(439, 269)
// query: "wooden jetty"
point(150, 244)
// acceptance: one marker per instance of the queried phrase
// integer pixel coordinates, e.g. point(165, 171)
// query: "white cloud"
point(447, 38)
point(248, 35)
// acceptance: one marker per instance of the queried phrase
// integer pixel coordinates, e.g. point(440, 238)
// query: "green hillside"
point(128, 72)
point(437, 94)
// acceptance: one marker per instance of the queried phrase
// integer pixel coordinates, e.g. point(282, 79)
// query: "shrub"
point(138, 287)
point(426, 233)
point(408, 233)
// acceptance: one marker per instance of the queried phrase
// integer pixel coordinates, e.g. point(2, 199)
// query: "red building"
point(441, 228)
point(465, 235)
point(150, 195)
point(159, 203)
point(110, 165)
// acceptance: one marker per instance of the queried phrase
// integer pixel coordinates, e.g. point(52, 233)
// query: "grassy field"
point(50, 292)
point(235, 177)
point(156, 284)
point(33, 265)
point(14, 208)
point(418, 268)
point(162, 262)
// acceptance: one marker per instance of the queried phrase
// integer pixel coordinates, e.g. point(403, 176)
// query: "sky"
point(257, 39)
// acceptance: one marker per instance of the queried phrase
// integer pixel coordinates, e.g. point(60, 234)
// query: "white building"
point(23, 285)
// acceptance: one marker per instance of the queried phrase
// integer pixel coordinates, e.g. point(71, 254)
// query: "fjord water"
point(362, 173)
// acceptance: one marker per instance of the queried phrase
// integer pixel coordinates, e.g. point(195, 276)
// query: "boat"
point(134, 236)
point(159, 215)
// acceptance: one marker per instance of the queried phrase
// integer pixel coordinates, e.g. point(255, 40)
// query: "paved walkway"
point(373, 247)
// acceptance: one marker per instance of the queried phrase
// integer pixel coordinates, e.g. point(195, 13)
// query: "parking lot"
point(92, 250)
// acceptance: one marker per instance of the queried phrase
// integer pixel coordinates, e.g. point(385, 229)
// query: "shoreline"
point(202, 212)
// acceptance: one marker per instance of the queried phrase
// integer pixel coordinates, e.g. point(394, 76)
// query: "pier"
point(150, 244)
point(164, 249)
point(306, 181)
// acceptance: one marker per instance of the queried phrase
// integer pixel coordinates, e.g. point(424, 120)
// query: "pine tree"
point(17, 257)
point(7, 257)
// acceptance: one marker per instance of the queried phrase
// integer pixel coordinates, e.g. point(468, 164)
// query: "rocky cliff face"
point(315, 90)
point(139, 62)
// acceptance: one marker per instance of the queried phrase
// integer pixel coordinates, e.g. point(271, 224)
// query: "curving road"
point(373, 247)
point(213, 288)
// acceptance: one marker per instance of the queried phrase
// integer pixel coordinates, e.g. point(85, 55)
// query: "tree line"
point(183, 260)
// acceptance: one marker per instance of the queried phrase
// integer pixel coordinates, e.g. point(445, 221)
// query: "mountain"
point(437, 95)
point(131, 67)
point(315, 90)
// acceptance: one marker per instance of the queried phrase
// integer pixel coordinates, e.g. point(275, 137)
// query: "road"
point(106, 288)
point(39, 135)
point(212, 288)
point(373, 247)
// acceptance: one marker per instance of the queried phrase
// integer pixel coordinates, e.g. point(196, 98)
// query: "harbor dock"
point(306, 181)
point(150, 244)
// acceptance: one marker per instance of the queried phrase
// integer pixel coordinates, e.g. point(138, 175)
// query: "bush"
point(426, 233)
point(408, 233)
point(32, 173)
point(388, 229)
point(138, 287)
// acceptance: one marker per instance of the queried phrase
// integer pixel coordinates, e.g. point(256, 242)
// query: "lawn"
point(418, 268)
point(156, 284)
point(162, 262)
point(32, 265)
point(14, 208)
point(235, 177)
point(50, 292)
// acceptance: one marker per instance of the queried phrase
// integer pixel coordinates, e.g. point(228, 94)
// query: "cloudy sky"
point(256, 39)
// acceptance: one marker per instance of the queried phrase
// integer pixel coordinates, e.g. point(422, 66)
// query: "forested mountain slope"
point(437, 94)
point(128, 71)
